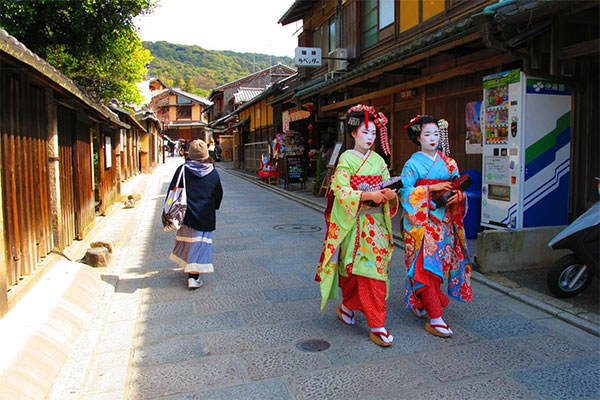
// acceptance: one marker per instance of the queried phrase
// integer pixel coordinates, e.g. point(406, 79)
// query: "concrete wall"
point(517, 249)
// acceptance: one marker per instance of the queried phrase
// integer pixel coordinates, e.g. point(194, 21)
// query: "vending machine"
point(526, 124)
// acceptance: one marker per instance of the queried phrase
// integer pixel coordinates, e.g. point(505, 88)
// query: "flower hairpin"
point(380, 122)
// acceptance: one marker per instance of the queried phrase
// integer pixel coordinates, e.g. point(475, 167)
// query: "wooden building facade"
point(429, 57)
point(181, 113)
point(58, 165)
point(224, 124)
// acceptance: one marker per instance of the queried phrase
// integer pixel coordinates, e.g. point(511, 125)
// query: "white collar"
point(427, 155)
point(359, 154)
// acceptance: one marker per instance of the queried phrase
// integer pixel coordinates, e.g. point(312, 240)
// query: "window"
point(370, 26)
point(386, 13)
point(332, 33)
point(184, 112)
point(183, 100)
point(378, 14)
point(324, 36)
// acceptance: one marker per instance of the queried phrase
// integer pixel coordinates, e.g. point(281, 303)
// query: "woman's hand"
point(388, 194)
point(457, 197)
point(436, 187)
point(376, 196)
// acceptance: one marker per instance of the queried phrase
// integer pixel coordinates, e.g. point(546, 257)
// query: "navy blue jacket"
point(204, 195)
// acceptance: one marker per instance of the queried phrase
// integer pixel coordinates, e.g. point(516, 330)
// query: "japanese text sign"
point(308, 57)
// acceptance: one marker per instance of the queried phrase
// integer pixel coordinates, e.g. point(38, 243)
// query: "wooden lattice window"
point(184, 112)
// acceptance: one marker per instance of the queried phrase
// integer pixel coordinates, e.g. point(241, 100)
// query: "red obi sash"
point(422, 182)
point(372, 180)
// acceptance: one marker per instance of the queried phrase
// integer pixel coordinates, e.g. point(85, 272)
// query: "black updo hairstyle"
point(355, 118)
point(414, 127)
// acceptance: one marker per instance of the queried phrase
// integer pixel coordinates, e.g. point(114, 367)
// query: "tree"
point(93, 42)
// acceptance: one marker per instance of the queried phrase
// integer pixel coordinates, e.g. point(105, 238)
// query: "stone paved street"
point(236, 337)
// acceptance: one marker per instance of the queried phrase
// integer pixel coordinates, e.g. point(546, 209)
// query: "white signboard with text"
point(308, 57)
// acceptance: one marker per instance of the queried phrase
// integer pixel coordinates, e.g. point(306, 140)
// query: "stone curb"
point(560, 313)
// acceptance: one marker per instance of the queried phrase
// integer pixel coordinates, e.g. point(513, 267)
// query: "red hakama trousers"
point(365, 295)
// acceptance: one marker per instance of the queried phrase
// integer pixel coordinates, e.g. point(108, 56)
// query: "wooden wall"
point(108, 174)
point(25, 184)
point(66, 121)
point(83, 182)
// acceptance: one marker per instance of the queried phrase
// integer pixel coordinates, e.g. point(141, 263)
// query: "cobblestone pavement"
point(237, 336)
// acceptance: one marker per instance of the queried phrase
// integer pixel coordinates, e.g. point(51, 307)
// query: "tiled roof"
point(245, 94)
point(416, 46)
point(186, 123)
point(16, 49)
point(296, 11)
point(232, 83)
point(218, 121)
point(115, 106)
point(191, 96)
point(204, 101)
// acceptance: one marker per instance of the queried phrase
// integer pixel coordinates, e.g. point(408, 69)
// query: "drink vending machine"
point(526, 124)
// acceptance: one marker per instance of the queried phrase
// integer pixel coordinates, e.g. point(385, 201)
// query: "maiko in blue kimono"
point(435, 246)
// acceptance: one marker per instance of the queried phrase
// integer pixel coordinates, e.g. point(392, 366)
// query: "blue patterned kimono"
point(434, 237)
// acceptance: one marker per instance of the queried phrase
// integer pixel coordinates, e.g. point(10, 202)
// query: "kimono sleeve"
point(347, 200)
point(414, 199)
point(453, 168)
point(385, 175)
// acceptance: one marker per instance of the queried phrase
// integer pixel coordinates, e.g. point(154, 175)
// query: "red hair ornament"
point(380, 123)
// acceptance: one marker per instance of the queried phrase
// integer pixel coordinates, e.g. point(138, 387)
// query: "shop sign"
point(308, 57)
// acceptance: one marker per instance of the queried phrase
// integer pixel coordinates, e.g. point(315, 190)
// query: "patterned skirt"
point(193, 250)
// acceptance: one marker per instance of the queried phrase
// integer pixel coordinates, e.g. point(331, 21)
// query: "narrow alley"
point(238, 336)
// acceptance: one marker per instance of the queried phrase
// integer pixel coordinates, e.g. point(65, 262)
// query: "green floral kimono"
point(359, 237)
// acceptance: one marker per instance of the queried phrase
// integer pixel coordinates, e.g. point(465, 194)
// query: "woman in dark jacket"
point(193, 244)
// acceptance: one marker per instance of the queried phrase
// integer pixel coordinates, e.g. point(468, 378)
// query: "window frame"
point(321, 35)
point(382, 33)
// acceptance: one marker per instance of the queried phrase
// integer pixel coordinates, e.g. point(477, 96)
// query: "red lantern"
point(309, 108)
point(310, 128)
point(309, 141)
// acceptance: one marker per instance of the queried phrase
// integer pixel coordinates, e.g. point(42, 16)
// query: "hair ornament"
point(353, 121)
point(444, 142)
point(380, 121)
point(414, 124)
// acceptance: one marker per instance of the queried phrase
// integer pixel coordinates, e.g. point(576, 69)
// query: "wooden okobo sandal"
point(431, 329)
point(341, 313)
point(416, 314)
point(376, 338)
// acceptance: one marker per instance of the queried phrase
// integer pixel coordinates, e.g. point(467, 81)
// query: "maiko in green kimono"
point(358, 244)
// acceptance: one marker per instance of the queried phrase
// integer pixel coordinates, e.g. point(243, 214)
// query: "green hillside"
point(199, 70)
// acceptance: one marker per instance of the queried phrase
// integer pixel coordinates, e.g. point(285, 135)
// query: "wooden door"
point(66, 133)
point(402, 147)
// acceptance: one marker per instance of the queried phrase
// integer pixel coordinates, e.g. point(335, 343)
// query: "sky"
point(248, 26)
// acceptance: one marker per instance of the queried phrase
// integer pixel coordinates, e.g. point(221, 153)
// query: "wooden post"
point(53, 170)
point(3, 254)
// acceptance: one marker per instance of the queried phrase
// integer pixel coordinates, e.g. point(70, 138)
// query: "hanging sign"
point(107, 152)
point(308, 57)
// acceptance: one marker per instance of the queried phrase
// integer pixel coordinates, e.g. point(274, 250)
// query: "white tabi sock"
point(352, 320)
point(388, 339)
point(440, 321)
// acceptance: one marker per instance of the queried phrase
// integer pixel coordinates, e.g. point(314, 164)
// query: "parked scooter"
point(571, 274)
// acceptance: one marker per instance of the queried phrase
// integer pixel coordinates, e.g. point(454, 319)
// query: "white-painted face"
point(363, 137)
point(429, 137)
